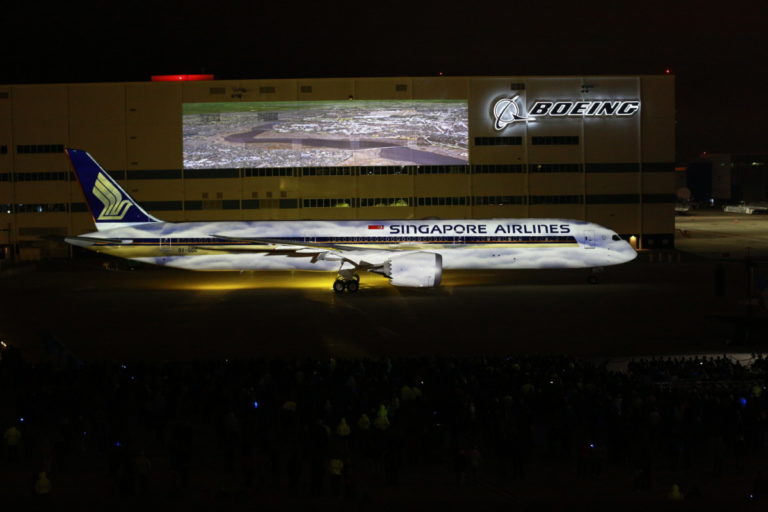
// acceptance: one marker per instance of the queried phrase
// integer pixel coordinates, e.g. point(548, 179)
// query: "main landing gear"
point(343, 284)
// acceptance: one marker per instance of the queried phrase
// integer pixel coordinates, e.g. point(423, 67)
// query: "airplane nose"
point(628, 252)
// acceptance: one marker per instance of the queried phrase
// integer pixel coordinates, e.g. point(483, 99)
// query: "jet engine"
point(419, 270)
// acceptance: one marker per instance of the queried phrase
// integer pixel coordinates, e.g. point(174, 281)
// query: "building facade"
point(597, 148)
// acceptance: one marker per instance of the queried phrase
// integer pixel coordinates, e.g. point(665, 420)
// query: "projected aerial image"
point(325, 133)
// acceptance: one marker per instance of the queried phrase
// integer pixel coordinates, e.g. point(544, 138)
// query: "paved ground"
point(662, 303)
point(715, 234)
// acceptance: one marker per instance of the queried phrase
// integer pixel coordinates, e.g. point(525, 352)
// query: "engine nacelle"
point(419, 270)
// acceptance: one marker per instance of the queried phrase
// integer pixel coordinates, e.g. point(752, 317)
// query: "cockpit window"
point(615, 238)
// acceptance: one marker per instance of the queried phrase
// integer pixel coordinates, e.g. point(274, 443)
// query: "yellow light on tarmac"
point(226, 281)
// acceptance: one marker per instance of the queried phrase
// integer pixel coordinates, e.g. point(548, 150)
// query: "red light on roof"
point(180, 78)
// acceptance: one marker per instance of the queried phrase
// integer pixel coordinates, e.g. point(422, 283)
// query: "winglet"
point(110, 205)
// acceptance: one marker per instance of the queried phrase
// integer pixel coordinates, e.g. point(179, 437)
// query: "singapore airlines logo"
point(115, 207)
point(506, 111)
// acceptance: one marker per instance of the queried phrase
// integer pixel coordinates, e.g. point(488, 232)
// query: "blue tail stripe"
point(106, 199)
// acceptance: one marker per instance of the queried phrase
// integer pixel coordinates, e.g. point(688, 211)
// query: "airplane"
point(411, 253)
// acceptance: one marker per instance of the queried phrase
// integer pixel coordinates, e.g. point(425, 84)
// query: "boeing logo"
point(506, 110)
point(115, 207)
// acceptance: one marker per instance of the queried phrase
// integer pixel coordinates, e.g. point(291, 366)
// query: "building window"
point(162, 174)
point(328, 203)
point(3, 150)
point(498, 200)
point(658, 166)
point(498, 169)
point(41, 208)
point(212, 204)
point(267, 172)
point(441, 201)
point(613, 198)
point(267, 89)
point(40, 176)
point(614, 167)
point(162, 205)
point(306, 89)
point(327, 171)
point(374, 202)
point(217, 204)
point(401, 87)
point(573, 199)
point(555, 140)
point(40, 148)
point(442, 169)
point(498, 141)
point(217, 90)
point(385, 170)
point(554, 168)
point(206, 173)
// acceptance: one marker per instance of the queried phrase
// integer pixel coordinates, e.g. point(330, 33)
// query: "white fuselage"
point(322, 245)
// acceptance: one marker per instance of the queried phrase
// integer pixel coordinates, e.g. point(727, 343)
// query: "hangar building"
point(598, 148)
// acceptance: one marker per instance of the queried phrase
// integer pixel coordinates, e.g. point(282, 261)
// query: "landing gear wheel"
point(339, 285)
point(353, 285)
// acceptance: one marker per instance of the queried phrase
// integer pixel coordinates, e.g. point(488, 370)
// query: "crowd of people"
point(337, 428)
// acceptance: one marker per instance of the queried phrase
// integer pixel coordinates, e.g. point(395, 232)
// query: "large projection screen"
point(325, 133)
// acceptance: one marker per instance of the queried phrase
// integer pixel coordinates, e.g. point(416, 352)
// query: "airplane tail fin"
point(110, 205)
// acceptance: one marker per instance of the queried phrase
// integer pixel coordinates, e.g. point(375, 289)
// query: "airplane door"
point(589, 239)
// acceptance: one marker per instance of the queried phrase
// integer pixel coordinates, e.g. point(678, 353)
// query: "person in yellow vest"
point(342, 441)
point(382, 420)
point(364, 423)
point(336, 471)
point(42, 485)
point(12, 438)
point(342, 429)
point(675, 494)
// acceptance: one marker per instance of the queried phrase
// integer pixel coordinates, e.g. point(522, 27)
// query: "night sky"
point(716, 50)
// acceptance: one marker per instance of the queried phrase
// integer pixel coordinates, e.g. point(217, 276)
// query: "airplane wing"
point(357, 255)
point(290, 243)
point(296, 252)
